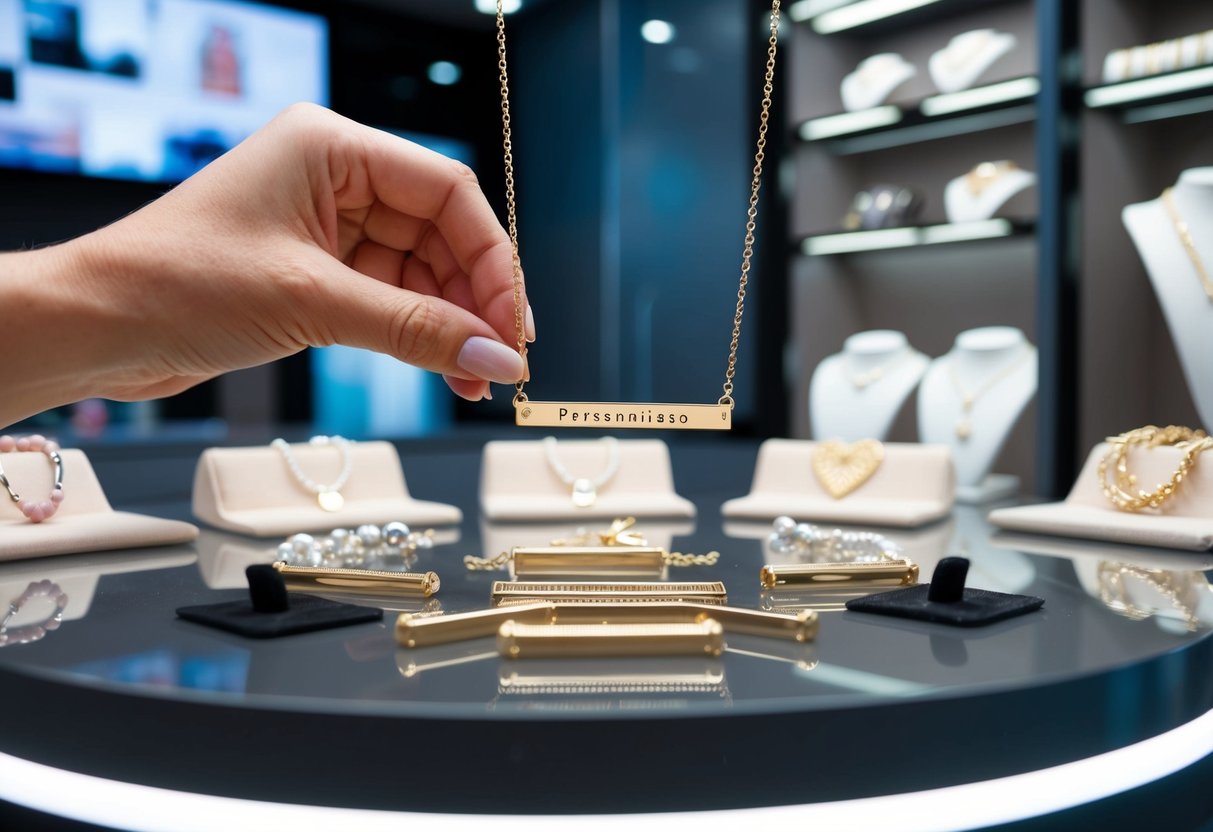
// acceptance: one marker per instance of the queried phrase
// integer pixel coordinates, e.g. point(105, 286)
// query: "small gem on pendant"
point(584, 493)
point(964, 429)
point(330, 500)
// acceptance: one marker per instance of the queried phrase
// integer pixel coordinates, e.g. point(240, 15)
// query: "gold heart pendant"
point(842, 468)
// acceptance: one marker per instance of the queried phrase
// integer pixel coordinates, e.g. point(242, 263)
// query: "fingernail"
point(530, 324)
point(490, 360)
point(488, 393)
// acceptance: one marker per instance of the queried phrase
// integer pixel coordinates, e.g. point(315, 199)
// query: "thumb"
point(421, 330)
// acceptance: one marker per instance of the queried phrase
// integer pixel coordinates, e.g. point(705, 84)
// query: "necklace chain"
point(751, 214)
point(968, 398)
point(566, 476)
point(347, 463)
point(1185, 237)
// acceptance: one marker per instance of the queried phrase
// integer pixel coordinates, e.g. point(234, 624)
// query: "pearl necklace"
point(584, 489)
point(328, 496)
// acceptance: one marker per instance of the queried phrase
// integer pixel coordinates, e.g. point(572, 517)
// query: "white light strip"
point(1144, 88)
point(805, 9)
point(861, 241)
point(960, 231)
point(863, 12)
point(851, 679)
point(970, 806)
point(844, 123)
point(953, 102)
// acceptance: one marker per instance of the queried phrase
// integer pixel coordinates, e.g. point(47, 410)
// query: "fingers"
point(473, 391)
point(421, 330)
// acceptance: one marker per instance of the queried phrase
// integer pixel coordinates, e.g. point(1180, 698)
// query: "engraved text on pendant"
point(617, 415)
point(584, 493)
point(330, 500)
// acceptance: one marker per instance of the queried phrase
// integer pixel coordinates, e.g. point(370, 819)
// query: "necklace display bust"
point(1175, 274)
point(874, 80)
point(857, 393)
point(967, 57)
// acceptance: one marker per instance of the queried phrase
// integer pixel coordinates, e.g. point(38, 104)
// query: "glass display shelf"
point(124, 690)
point(1156, 97)
point(852, 17)
point(987, 107)
point(882, 239)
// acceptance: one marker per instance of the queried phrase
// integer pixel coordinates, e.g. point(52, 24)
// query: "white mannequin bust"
point(967, 57)
point(995, 368)
point(978, 194)
point(874, 80)
point(857, 393)
point(1187, 307)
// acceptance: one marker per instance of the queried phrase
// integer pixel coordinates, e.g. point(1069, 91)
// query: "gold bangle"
point(1122, 491)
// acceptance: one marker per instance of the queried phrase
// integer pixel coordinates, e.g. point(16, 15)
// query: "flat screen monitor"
point(148, 89)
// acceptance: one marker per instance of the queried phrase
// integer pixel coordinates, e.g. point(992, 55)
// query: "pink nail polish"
point(490, 360)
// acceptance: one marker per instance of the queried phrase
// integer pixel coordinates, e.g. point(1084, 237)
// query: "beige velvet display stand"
point(1186, 521)
point(517, 483)
point(913, 486)
point(85, 521)
point(252, 491)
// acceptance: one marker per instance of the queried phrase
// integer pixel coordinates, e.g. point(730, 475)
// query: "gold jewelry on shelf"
point(617, 551)
point(1154, 58)
point(1122, 490)
point(421, 630)
point(584, 489)
point(1181, 589)
point(986, 174)
point(701, 592)
point(968, 398)
point(718, 416)
point(1185, 237)
point(898, 572)
point(842, 468)
point(358, 581)
point(516, 640)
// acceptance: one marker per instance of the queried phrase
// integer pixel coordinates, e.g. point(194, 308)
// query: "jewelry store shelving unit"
point(1137, 136)
point(1008, 271)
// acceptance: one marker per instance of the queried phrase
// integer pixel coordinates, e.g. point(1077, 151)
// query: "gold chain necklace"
point(1185, 237)
point(968, 398)
point(1122, 489)
point(654, 416)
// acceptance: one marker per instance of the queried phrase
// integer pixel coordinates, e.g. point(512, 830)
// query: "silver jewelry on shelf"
point(328, 496)
point(358, 548)
point(809, 542)
point(584, 489)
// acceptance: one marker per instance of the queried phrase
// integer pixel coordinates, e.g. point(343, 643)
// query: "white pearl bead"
point(301, 543)
point(425, 542)
point(339, 535)
point(285, 550)
point(395, 533)
point(369, 535)
point(784, 525)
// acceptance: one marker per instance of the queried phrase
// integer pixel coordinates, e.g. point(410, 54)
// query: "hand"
point(314, 231)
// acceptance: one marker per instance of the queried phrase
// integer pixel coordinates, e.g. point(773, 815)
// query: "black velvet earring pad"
point(977, 607)
point(306, 613)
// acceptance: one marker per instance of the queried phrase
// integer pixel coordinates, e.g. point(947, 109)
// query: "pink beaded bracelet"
point(35, 510)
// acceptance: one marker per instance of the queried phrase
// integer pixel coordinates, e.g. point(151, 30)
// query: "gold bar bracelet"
point(588, 560)
point(322, 579)
point(709, 592)
point(899, 572)
point(421, 630)
point(516, 640)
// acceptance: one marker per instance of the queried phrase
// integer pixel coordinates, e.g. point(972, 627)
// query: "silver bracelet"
point(807, 541)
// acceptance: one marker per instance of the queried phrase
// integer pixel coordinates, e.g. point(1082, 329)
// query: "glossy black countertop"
point(125, 690)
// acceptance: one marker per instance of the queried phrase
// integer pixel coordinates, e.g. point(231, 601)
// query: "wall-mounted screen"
point(148, 89)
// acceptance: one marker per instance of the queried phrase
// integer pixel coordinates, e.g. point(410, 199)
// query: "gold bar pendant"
point(900, 572)
point(676, 675)
point(322, 579)
point(617, 415)
point(590, 560)
point(516, 640)
point(429, 630)
point(710, 592)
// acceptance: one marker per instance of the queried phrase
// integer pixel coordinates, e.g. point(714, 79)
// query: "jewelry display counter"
point(345, 718)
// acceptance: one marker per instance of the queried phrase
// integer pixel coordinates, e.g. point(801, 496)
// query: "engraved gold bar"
point(588, 560)
point(321, 579)
point(430, 630)
point(799, 627)
point(710, 592)
point(516, 640)
point(899, 572)
point(675, 675)
point(613, 415)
